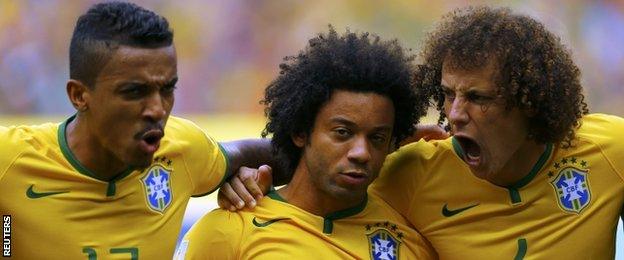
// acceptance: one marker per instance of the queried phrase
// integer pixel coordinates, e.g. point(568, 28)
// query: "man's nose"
point(360, 150)
point(155, 107)
point(457, 114)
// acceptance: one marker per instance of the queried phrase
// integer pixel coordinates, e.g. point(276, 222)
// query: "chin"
point(349, 194)
point(142, 163)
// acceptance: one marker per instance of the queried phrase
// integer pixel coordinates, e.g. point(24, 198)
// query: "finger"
point(264, 179)
point(223, 201)
point(242, 192)
point(232, 196)
point(249, 178)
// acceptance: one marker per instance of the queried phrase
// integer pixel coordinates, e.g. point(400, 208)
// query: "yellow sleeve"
point(399, 178)
point(203, 156)
point(217, 235)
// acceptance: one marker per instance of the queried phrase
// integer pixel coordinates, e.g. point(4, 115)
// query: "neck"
point(520, 164)
point(303, 193)
point(89, 152)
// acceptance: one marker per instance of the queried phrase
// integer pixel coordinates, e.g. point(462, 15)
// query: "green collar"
point(514, 194)
point(71, 158)
point(328, 224)
point(536, 168)
point(526, 179)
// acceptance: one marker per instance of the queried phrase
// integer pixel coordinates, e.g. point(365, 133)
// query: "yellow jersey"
point(278, 230)
point(567, 207)
point(59, 211)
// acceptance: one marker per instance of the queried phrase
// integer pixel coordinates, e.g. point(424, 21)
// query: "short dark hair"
point(104, 28)
point(536, 72)
point(353, 62)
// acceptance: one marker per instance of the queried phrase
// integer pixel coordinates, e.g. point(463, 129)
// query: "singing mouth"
point(150, 140)
point(471, 149)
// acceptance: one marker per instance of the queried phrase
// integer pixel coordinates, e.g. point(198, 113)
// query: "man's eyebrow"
point(342, 120)
point(347, 122)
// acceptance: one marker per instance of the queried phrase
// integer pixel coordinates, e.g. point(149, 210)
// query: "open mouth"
point(472, 151)
point(150, 140)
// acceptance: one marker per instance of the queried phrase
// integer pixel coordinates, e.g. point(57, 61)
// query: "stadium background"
point(229, 50)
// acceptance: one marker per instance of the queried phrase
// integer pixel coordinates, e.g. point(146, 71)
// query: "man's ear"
point(299, 139)
point(78, 94)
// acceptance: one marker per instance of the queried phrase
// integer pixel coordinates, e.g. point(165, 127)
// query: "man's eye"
point(169, 89)
point(132, 91)
point(449, 95)
point(342, 132)
point(379, 138)
point(479, 98)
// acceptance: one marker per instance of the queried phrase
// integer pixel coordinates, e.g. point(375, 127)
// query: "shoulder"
point(415, 154)
point(217, 227)
point(220, 222)
point(180, 127)
point(601, 129)
point(187, 135)
point(15, 139)
point(217, 235)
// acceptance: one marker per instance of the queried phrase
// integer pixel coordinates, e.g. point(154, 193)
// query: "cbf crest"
point(572, 189)
point(157, 184)
point(383, 245)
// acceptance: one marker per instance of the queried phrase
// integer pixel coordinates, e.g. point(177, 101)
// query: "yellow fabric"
point(108, 220)
point(297, 234)
point(420, 179)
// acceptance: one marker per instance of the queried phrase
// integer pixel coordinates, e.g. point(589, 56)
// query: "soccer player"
point(112, 181)
point(335, 111)
point(528, 172)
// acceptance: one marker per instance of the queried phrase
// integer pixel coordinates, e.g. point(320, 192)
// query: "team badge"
point(383, 245)
point(158, 188)
point(572, 189)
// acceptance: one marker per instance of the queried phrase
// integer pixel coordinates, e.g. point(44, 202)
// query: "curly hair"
point(353, 62)
point(107, 25)
point(536, 71)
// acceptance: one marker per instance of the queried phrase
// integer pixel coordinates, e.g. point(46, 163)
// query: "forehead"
point(158, 64)
point(364, 108)
point(469, 78)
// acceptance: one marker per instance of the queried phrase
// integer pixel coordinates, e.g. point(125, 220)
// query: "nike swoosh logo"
point(30, 193)
point(264, 224)
point(452, 212)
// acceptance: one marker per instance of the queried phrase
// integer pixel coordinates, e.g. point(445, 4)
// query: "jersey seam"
point(606, 158)
point(11, 164)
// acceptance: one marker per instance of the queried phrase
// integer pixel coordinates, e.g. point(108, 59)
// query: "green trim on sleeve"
point(225, 174)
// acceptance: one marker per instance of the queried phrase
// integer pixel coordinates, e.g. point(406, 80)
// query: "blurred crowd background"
point(229, 50)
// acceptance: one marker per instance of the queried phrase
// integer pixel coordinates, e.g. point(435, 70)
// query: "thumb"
point(264, 178)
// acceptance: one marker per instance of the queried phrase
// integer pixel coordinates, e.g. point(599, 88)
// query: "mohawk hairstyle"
point(106, 26)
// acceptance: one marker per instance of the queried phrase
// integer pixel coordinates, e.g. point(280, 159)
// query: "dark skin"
point(121, 119)
point(233, 195)
point(134, 93)
point(343, 153)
